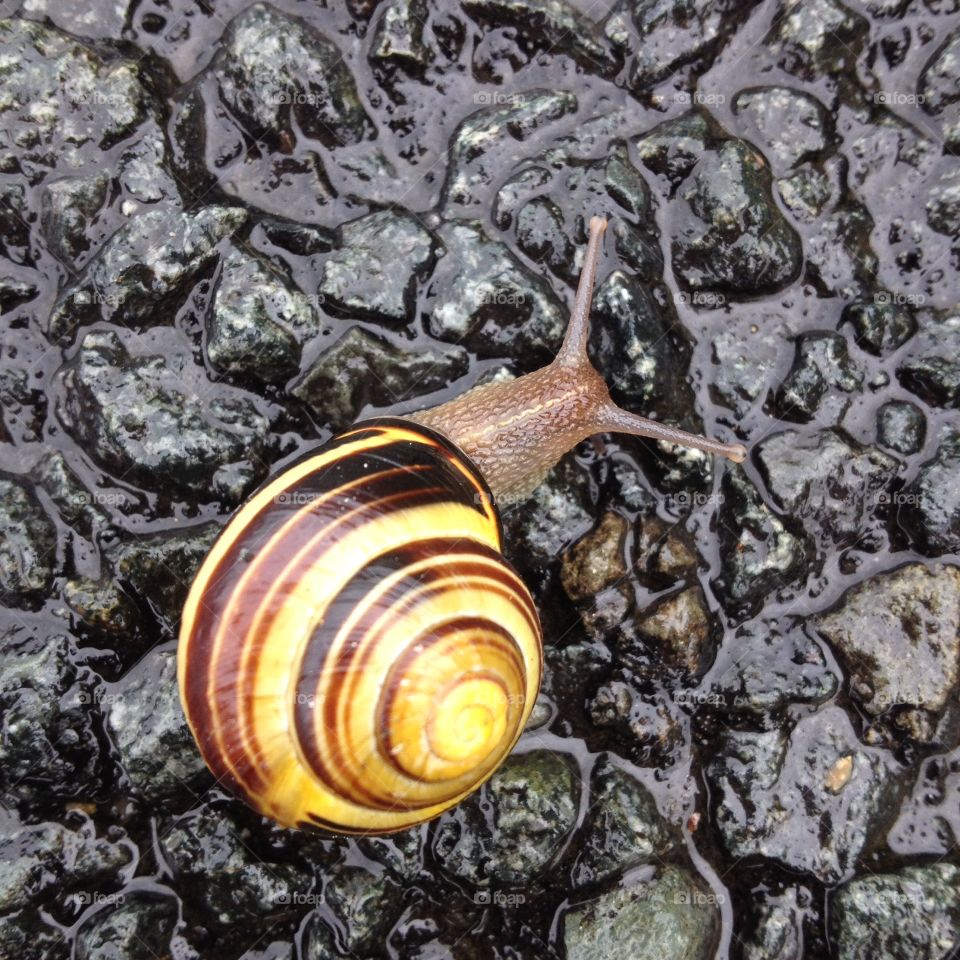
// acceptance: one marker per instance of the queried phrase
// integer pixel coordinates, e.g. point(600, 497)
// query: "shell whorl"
point(355, 653)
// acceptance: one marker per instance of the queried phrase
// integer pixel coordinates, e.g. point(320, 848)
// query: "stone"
point(765, 667)
point(365, 904)
point(110, 614)
point(880, 325)
point(729, 237)
point(638, 343)
point(150, 733)
point(160, 567)
point(70, 206)
point(673, 36)
point(609, 186)
point(898, 635)
point(779, 933)
point(649, 723)
point(821, 370)
point(556, 514)
point(62, 103)
point(398, 37)
point(778, 795)
point(625, 828)
point(930, 504)
point(137, 927)
point(156, 420)
point(363, 369)
point(76, 506)
point(819, 38)
point(831, 483)
point(145, 271)
point(553, 26)
point(901, 427)
point(477, 143)
point(275, 72)
point(278, 81)
point(680, 628)
point(234, 886)
point(943, 205)
point(541, 235)
point(914, 913)
point(806, 193)
point(789, 126)
point(931, 365)
point(259, 321)
point(744, 358)
point(49, 705)
point(512, 831)
point(35, 859)
point(762, 553)
point(596, 561)
point(929, 820)
point(938, 80)
point(373, 273)
point(840, 260)
point(668, 916)
point(28, 546)
point(23, 936)
point(488, 302)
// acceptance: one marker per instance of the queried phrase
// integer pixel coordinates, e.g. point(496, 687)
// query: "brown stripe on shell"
point(392, 686)
point(359, 640)
point(333, 769)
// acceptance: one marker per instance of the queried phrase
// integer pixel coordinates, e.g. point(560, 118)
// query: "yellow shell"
point(355, 653)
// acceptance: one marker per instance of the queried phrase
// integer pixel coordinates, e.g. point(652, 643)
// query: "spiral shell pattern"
point(355, 653)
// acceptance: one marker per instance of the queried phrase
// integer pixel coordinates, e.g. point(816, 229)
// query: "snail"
point(355, 652)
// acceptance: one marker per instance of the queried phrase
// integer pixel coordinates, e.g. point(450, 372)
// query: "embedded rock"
point(759, 776)
point(145, 271)
point(259, 321)
point(362, 369)
point(898, 635)
point(487, 301)
point(156, 420)
point(374, 270)
point(512, 830)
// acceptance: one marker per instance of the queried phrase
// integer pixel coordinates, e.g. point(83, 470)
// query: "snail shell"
point(355, 652)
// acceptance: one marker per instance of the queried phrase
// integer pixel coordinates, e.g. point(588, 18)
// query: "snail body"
point(355, 652)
